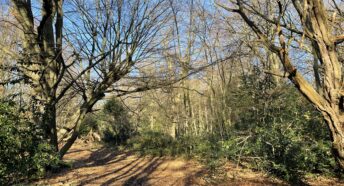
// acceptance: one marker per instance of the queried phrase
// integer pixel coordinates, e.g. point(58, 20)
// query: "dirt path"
point(106, 166)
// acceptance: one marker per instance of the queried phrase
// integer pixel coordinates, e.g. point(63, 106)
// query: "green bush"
point(23, 152)
point(111, 123)
point(280, 132)
point(114, 126)
point(89, 123)
point(153, 143)
point(159, 143)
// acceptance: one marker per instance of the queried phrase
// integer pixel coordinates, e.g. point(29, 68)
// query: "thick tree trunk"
point(49, 124)
point(337, 134)
point(334, 118)
point(338, 148)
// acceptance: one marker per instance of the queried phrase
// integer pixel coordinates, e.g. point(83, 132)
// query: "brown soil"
point(99, 165)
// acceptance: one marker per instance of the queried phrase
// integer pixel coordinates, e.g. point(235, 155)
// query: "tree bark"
point(75, 134)
point(84, 109)
point(335, 123)
point(49, 123)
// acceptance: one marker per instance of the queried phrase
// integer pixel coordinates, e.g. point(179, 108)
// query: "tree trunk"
point(337, 134)
point(84, 109)
point(338, 149)
point(173, 129)
point(317, 78)
point(75, 134)
point(49, 123)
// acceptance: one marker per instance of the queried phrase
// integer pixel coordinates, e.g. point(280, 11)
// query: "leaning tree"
point(309, 26)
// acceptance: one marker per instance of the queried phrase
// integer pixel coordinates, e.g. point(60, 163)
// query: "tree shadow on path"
point(118, 167)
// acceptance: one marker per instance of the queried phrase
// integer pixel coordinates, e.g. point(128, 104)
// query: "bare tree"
point(124, 35)
point(85, 47)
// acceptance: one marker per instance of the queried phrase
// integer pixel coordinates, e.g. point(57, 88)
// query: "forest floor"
point(101, 165)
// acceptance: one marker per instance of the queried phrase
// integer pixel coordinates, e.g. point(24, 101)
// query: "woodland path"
point(100, 165)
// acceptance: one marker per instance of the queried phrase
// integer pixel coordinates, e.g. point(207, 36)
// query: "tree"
point(84, 47)
point(316, 25)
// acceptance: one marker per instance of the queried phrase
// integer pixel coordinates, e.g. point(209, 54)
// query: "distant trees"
point(301, 26)
point(243, 104)
point(199, 104)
